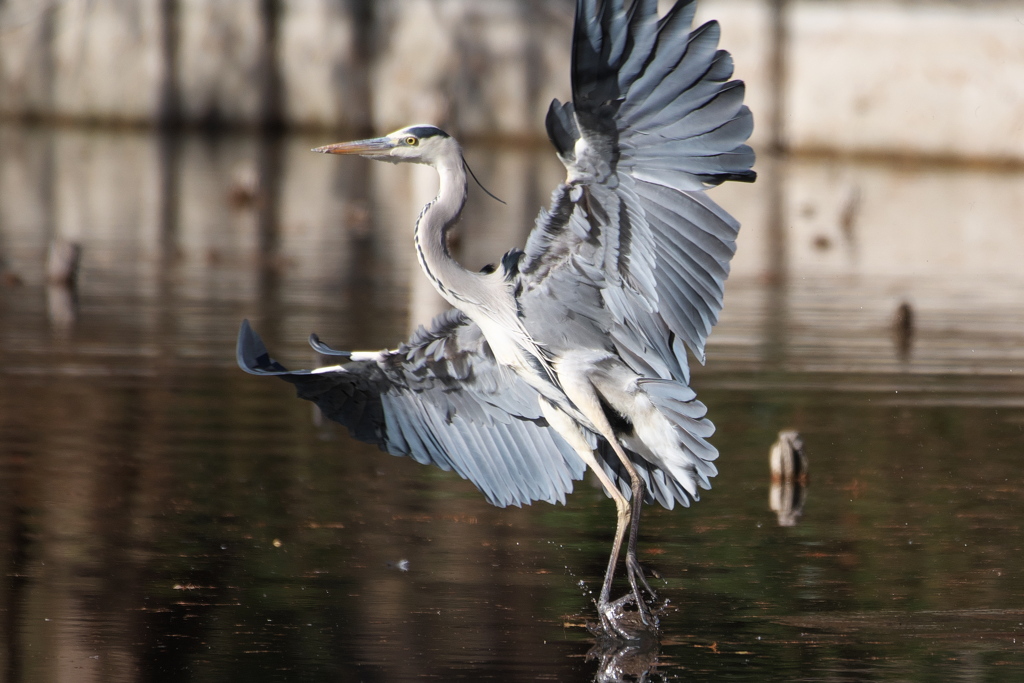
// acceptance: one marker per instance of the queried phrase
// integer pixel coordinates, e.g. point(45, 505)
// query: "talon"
point(637, 580)
point(634, 568)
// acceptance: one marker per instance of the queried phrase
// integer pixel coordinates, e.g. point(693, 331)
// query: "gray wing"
point(654, 121)
point(440, 399)
point(631, 246)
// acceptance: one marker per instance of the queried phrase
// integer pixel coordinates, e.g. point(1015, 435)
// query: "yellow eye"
point(411, 141)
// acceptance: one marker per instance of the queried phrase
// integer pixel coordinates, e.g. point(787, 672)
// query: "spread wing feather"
point(440, 399)
point(655, 120)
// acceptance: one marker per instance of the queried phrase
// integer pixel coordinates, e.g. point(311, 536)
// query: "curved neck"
point(483, 299)
point(454, 282)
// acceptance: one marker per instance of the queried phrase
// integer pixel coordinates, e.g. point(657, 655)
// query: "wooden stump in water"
point(789, 477)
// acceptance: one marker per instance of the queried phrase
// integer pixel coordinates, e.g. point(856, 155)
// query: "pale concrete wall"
point(322, 51)
point(222, 62)
point(26, 62)
point(108, 61)
point(931, 78)
point(480, 68)
point(97, 60)
point(891, 77)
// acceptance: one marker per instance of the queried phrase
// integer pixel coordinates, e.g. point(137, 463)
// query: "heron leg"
point(633, 568)
point(621, 524)
point(639, 491)
point(571, 432)
point(585, 395)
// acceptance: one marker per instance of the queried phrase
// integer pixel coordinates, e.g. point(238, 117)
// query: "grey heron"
point(572, 352)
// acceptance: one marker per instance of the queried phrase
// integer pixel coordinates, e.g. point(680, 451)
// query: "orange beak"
point(374, 147)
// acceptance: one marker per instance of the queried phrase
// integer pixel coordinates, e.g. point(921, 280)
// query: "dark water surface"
point(165, 517)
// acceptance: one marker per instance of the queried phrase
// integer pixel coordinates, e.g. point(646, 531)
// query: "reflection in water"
point(61, 306)
point(144, 479)
point(62, 264)
point(619, 660)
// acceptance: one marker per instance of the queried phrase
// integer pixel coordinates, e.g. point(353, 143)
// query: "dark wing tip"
point(748, 176)
point(324, 349)
point(252, 354)
point(561, 128)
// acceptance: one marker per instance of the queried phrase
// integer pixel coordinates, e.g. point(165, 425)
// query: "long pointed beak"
point(371, 147)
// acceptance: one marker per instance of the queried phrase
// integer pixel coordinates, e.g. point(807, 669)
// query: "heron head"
point(422, 144)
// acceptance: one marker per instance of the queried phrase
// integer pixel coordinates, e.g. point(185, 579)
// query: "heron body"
point(571, 353)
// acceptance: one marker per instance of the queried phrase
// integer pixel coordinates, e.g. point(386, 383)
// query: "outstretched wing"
point(440, 399)
point(655, 119)
point(632, 248)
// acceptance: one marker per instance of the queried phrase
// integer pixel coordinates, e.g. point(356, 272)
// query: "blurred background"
point(165, 517)
point(920, 78)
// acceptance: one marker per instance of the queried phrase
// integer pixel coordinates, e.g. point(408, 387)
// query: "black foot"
point(620, 622)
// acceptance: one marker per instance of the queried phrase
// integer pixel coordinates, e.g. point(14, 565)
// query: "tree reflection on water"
point(166, 517)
